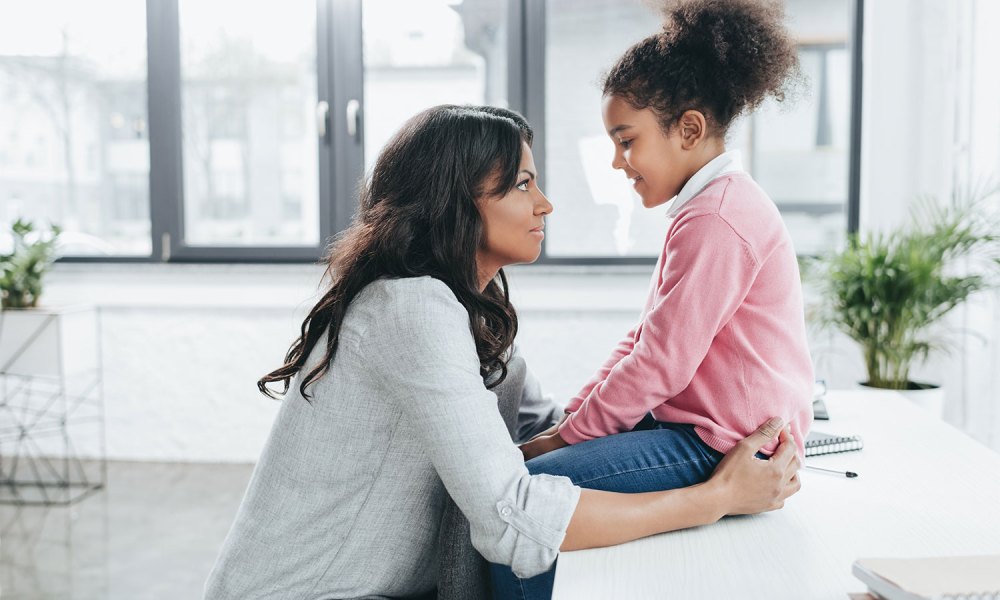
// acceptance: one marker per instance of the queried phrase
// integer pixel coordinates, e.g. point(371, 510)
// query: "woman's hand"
point(748, 485)
point(741, 484)
point(541, 443)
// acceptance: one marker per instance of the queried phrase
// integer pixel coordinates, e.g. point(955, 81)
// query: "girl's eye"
point(625, 143)
point(523, 185)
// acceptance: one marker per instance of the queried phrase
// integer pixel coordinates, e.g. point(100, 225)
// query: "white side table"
point(51, 405)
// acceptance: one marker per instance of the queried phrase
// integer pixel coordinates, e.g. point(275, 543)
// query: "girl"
point(386, 412)
point(722, 338)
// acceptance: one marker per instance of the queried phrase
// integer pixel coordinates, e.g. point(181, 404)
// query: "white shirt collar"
point(730, 161)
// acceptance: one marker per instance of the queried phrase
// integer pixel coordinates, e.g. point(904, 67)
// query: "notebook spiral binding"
point(821, 443)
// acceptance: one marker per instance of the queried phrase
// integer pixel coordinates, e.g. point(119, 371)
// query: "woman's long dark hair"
point(418, 217)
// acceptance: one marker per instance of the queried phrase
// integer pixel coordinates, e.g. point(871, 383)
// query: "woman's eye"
point(523, 185)
point(625, 143)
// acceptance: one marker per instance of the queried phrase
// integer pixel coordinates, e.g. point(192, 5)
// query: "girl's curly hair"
point(720, 57)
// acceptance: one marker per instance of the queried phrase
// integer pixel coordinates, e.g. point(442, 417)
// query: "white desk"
point(924, 489)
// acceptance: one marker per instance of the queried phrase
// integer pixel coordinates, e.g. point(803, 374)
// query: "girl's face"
point(659, 164)
point(513, 224)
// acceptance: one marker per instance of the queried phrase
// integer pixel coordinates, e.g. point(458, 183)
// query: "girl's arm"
point(623, 348)
point(706, 274)
point(741, 484)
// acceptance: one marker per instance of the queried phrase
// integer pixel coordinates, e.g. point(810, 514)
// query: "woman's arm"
point(419, 350)
point(741, 484)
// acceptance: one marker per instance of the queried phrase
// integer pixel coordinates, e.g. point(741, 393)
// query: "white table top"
point(924, 489)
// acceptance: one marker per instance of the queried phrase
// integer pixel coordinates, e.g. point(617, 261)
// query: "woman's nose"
point(542, 205)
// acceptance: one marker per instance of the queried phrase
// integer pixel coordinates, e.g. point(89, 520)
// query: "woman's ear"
point(692, 127)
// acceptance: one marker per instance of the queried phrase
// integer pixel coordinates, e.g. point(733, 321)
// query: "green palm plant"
point(22, 270)
point(886, 291)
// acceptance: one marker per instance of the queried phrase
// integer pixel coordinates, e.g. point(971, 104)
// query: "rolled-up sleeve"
point(422, 353)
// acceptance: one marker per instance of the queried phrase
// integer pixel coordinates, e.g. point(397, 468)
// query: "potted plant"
point(888, 291)
point(22, 270)
point(39, 341)
point(50, 370)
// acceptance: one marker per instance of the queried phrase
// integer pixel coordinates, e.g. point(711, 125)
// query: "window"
point(799, 152)
point(421, 53)
point(74, 149)
point(596, 211)
point(248, 127)
point(225, 131)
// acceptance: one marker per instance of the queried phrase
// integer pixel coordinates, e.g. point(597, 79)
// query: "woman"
point(387, 411)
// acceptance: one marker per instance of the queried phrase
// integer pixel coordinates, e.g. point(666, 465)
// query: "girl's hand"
point(540, 444)
point(748, 485)
point(551, 430)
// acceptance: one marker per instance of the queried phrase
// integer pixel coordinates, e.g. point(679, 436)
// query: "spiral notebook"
point(943, 578)
point(824, 443)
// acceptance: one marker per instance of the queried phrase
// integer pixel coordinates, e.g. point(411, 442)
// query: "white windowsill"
point(295, 286)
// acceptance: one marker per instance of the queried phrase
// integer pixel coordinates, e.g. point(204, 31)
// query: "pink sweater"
point(721, 343)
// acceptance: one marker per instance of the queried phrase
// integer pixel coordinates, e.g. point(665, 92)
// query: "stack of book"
point(943, 578)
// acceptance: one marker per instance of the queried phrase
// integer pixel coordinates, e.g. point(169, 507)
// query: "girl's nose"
point(618, 161)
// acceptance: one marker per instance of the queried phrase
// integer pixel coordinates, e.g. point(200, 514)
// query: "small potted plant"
point(889, 291)
point(22, 270)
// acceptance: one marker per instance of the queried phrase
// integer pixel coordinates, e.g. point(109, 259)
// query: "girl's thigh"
point(669, 456)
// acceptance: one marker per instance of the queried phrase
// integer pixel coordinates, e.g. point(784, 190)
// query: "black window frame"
point(341, 162)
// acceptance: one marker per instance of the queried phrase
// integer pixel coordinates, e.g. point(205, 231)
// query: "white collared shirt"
point(730, 161)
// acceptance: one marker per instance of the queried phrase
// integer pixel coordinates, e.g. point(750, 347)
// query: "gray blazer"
point(347, 498)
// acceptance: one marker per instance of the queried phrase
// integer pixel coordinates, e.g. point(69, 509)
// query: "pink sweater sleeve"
point(624, 348)
point(706, 273)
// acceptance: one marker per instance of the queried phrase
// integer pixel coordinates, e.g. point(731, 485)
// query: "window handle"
point(322, 115)
point(353, 108)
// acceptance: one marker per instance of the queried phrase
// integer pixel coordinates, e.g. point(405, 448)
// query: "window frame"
point(340, 156)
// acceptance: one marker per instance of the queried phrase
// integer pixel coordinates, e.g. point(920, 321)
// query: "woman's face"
point(513, 223)
point(657, 163)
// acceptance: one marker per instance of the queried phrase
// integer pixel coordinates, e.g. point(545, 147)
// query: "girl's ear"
point(692, 127)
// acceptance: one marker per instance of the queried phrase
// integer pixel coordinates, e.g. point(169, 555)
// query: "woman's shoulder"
point(410, 306)
point(421, 293)
point(392, 321)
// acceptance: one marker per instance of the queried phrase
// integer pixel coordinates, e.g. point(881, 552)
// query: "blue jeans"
point(653, 456)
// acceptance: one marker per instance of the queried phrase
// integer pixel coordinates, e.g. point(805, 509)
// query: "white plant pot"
point(930, 398)
point(54, 342)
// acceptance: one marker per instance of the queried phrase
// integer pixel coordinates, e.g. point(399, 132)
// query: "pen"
point(847, 474)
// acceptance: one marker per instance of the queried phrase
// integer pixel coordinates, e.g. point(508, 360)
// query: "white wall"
point(931, 122)
point(183, 345)
point(973, 371)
